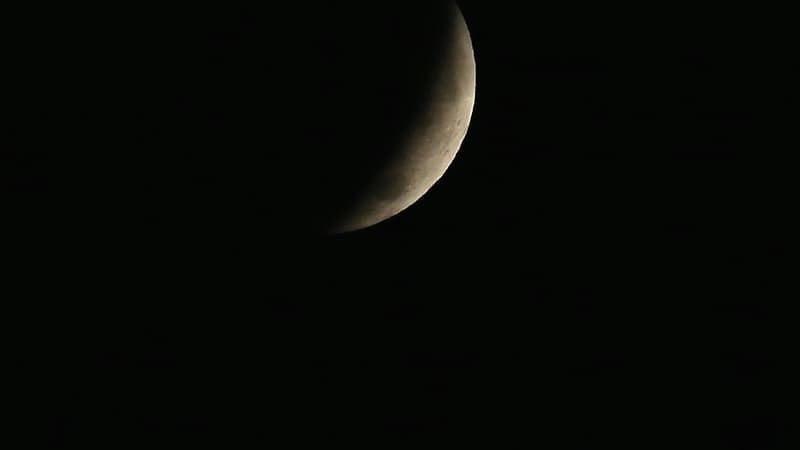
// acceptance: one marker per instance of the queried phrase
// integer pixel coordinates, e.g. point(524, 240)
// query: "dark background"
point(598, 268)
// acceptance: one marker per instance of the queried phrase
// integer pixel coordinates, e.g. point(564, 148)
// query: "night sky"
point(597, 269)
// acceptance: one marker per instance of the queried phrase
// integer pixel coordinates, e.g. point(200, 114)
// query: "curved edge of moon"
point(432, 146)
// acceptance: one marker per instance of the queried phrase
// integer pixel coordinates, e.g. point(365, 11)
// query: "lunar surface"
point(433, 139)
point(244, 122)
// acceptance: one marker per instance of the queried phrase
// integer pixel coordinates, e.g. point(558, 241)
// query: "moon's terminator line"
point(433, 140)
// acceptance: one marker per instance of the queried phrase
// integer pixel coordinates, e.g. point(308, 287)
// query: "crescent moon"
point(433, 141)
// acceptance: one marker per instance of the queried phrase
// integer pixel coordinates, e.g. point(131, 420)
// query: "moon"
point(245, 122)
point(432, 140)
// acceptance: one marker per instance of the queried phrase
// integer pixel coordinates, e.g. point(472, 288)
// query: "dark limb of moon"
point(254, 121)
point(326, 119)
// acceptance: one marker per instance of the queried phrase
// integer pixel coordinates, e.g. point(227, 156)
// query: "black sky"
point(597, 269)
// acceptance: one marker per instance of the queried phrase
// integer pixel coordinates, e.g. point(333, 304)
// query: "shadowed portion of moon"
point(247, 120)
point(333, 118)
